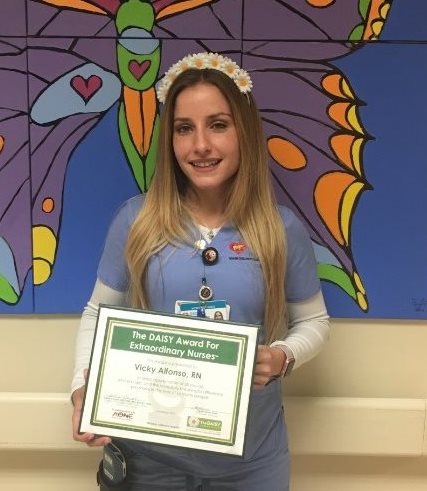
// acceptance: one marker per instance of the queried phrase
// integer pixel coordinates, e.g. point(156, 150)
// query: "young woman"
point(209, 227)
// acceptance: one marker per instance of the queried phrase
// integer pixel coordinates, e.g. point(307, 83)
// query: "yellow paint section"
point(350, 196)
point(76, 4)
point(377, 27)
point(44, 250)
point(41, 271)
point(384, 10)
point(361, 300)
point(328, 196)
point(133, 108)
point(179, 7)
point(346, 90)
point(1, 143)
point(353, 119)
point(356, 152)
point(48, 205)
point(286, 154)
point(320, 3)
point(358, 283)
point(149, 110)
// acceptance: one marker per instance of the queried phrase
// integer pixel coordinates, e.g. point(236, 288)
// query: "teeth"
point(205, 163)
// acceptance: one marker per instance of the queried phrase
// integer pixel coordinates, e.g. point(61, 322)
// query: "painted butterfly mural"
point(73, 62)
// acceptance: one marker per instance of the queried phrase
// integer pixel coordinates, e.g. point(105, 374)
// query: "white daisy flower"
point(230, 67)
point(243, 81)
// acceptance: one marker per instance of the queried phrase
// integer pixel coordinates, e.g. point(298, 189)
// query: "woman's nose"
point(202, 143)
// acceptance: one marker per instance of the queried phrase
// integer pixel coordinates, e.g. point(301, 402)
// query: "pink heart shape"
point(138, 69)
point(86, 87)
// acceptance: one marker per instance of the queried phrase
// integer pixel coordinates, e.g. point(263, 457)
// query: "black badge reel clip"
point(112, 470)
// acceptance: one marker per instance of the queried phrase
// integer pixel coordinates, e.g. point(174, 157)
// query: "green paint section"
point(150, 161)
point(134, 159)
point(135, 13)
point(364, 8)
point(165, 343)
point(329, 272)
point(147, 80)
point(7, 292)
point(357, 33)
point(142, 169)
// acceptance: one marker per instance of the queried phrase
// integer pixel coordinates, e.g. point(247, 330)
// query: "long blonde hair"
point(250, 204)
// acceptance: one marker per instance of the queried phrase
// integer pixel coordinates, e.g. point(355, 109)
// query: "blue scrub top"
point(175, 273)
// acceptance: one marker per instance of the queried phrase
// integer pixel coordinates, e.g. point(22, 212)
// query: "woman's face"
point(205, 139)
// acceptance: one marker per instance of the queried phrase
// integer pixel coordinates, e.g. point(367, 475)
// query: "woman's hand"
point(88, 438)
point(269, 362)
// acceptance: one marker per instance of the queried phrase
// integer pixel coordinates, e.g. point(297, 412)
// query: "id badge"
point(212, 309)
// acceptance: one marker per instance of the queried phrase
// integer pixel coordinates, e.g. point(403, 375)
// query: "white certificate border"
point(246, 334)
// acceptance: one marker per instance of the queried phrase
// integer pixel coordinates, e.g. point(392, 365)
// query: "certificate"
point(170, 379)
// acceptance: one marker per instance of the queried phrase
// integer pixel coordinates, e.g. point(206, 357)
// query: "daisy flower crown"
point(202, 61)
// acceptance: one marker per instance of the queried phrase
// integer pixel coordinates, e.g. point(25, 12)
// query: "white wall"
point(356, 414)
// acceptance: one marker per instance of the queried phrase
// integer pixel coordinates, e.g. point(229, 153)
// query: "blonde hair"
point(250, 204)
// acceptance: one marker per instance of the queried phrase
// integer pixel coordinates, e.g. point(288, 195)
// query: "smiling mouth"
point(202, 164)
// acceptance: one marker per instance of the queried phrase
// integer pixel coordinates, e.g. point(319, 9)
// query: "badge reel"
point(113, 465)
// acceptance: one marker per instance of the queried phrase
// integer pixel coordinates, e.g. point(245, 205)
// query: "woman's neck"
point(207, 209)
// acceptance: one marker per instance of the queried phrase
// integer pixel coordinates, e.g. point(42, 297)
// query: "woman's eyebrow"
point(210, 116)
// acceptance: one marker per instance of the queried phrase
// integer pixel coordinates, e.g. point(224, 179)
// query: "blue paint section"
point(7, 265)
point(98, 181)
point(389, 237)
point(138, 41)
point(69, 94)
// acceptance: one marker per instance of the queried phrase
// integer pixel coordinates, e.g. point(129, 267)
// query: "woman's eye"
point(219, 125)
point(182, 129)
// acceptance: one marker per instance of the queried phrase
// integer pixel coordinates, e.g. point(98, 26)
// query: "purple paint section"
point(14, 133)
point(296, 19)
point(99, 51)
point(12, 18)
point(15, 223)
point(279, 51)
point(48, 165)
point(11, 46)
point(46, 20)
point(220, 20)
point(174, 50)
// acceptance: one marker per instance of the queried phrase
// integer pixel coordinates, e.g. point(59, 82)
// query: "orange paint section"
point(345, 114)
point(338, 113)
point(76, 4)
point(286, 153)
point(347, 148)
point(132, 102)
point(48, 205)
point(328, 196)
point(177, 8)
point(1, 143)
point(336, 85)
point(149, 109)
point(320, 3)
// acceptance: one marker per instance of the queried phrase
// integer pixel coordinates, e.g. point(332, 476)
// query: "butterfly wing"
point(71, 83)
point(311, 116)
